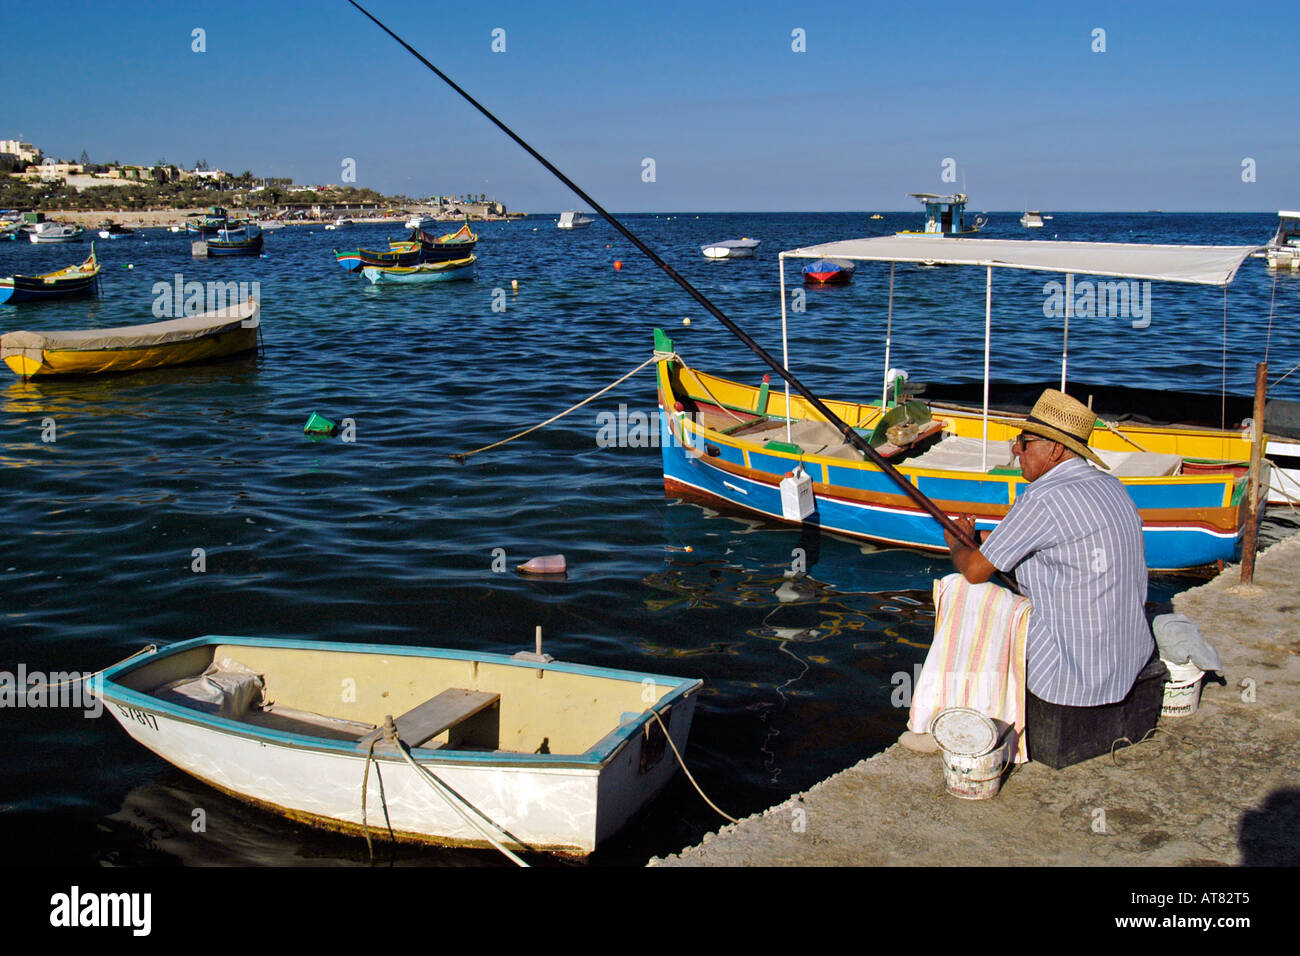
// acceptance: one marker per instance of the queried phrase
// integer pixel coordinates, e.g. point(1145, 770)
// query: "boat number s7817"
point(139, 716)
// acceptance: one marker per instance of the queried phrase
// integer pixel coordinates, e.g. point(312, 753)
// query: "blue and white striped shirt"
point(1074, 540)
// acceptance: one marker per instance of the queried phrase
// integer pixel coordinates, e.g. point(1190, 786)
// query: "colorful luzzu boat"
point(398, 254)
point(65, 283)
point(422, 273)
point(731, 443)
point(453, 245)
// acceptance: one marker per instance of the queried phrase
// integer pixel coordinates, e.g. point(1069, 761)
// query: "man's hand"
point(968, 560)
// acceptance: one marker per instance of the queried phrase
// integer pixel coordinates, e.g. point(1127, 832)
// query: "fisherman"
point(1073, 540)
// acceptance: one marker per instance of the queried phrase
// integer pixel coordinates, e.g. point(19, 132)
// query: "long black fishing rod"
point(851, 436)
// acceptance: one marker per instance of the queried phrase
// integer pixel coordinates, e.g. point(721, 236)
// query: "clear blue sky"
point(733, 118)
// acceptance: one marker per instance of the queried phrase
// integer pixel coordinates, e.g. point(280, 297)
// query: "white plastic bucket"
point(1183, 691)
point(973, 752)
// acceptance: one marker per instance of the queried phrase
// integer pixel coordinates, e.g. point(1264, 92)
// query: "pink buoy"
point(546, 564)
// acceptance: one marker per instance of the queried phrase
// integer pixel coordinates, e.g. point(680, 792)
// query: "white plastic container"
point(796, 495)
point(973, 752)
point(1183, 691)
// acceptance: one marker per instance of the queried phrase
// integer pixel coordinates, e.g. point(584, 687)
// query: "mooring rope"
point(389, 733)
point(658, 356)
point(686, 770)
point(147, 649)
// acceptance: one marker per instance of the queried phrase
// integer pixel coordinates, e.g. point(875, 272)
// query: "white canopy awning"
point(1202, 265)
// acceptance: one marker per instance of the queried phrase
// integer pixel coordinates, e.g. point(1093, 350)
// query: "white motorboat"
point(1283, 250)
point(55, 232)
point(421, 222)
point(521, 751)
point(572, 219)
point(1032, 219)
point(731, 249)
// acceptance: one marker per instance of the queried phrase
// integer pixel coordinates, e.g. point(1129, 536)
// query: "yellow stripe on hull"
point(94, 362)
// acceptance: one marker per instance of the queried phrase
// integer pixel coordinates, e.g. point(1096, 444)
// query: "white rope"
point(716, 401)
point(573, 408)
point(685, 769)
point(454, 800)
point(147, 649)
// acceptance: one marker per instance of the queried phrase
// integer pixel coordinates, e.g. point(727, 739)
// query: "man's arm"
point(972, 564)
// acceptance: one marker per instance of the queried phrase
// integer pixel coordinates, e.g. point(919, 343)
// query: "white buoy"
point(686, 321)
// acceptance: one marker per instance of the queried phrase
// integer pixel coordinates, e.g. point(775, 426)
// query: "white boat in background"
point(1032, 219)
point(55, 232)
point(340, 223)
point(421, 222)
point(519, 751)
point(572, 219)
point(1283, 250)
point(731, 249)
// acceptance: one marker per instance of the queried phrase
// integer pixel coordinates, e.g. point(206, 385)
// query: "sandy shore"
point(162, 218)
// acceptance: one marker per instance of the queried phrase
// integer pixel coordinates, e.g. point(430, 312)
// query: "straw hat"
point(1063, 419)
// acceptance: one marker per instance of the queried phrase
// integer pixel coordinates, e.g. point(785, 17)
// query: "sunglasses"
point(1024, 438)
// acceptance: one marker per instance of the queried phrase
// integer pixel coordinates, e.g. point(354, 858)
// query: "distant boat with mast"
point(572, 219)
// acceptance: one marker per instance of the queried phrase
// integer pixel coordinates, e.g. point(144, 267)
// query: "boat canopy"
point(1201, 265)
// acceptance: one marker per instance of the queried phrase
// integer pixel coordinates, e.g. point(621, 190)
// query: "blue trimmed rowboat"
point(541, 755)
point(66, 283)
point(725, 442)
point(422, 273)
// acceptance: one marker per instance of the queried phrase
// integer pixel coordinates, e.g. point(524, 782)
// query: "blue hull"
point(694, 475)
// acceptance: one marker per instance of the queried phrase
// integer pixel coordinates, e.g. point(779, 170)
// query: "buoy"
point(546, 564)
point(686, 321)
point(318, 424)
point(618, 265)
point(514, 284)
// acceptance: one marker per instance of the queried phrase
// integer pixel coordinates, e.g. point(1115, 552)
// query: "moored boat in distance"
point(55, 232)
point(1032, 219)
point(944, 216)
point(731, 249)
point(70, 282)
point(221, 333)
point(829, 272)
point(572, 219)
point(453, 245)
point(399, 254)
point(1283, 250)
point(522, 752)
point(212, 222)
point(244, 241)
point(448, 271)
point(114, 230)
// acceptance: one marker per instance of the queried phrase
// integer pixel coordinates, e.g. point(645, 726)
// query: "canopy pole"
point(1065, 340)
point(988, 335)
point(785, 354)
point(889, 336)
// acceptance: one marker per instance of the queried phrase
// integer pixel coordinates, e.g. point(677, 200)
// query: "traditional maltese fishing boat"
point(398, 254)
point(521, 752)
point(753, 448)
point(221, 333)
point(66, 283)
point(453, 245)
point(422, 273)
point(244, 241)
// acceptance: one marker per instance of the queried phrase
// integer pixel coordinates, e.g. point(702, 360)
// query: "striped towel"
point(977, 659)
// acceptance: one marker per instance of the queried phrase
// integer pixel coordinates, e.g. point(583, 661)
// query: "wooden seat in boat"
point(438, 715)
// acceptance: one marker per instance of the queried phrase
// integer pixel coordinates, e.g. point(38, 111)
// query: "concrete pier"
point(1218, 787)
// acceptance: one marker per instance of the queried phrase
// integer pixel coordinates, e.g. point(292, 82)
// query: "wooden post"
point(1256, 457)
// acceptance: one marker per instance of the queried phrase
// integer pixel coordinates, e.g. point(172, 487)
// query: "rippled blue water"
point(386, 539)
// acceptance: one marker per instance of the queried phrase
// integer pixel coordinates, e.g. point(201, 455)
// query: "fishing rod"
point(851, 436)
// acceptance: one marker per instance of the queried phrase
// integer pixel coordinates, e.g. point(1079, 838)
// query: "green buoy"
point(320, 425)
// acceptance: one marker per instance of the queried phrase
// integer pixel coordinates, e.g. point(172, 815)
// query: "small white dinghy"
point(731, 249)
point(522, 751)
